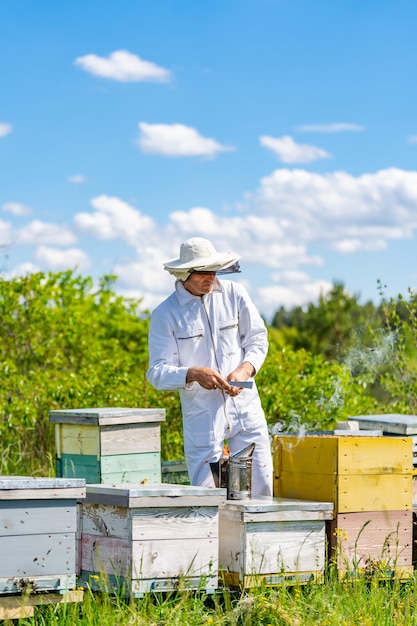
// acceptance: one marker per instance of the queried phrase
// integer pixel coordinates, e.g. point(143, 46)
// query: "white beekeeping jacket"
point(219, 330)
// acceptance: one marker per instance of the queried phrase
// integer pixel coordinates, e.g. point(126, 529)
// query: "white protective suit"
point(219, 330)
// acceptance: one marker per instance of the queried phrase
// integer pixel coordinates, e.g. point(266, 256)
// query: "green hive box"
point(108, 445)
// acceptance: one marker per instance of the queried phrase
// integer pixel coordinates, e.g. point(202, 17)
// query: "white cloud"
point(23, 269)
point(114, 218)
point(346, 213)
point(348, 246)
point(337, 127)
point(270, 298)
point(5, 129)
point(123, 66)
point(176, 140)
point(5, 233)
point(291, 152)
point(77, 179)
point(282, 232)
point(37, 232)
point(58, 259)
point(15, 208)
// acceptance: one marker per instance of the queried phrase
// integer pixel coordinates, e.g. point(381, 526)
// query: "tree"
point(336, 323)
point(67, 344)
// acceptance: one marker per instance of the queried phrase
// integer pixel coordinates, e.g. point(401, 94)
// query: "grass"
point(334, 602)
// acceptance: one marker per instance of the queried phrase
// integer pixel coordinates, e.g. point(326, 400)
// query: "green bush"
point(68, 343)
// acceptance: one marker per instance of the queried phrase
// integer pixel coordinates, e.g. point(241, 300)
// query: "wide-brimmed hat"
point(200, 254)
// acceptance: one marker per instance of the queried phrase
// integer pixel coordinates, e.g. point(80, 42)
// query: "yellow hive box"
point(356, 473)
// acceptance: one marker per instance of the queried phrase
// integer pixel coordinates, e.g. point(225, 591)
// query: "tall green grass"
point(334, 602)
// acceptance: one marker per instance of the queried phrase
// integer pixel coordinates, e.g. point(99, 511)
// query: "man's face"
point(200, 283)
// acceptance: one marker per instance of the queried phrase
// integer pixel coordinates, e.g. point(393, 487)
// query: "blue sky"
point(284, 130)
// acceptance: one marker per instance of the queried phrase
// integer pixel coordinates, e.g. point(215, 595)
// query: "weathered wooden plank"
point(364, 540)
point(284, 546)
point(106, 555)
point(207, 582)
point(349, 493)
point(162, 495)
point(375, 492)
point(122, 468)
point(129, 439)
point(306, 486)
point(283, 516)
point(13, 613)
point(174, 557)
point(106, 520)
point(24, 483)
point(183, 522)
point(383, 455)
point(177, 501)
point(78, 439)
point(80, 466)
point(42, 494)
point(131, 462)
point(138, 476)
point(276, 509)
point(234, 579)
point(19, 607)
point(331, 454)
point(28, 555)
point(317, 455)
point(106, 416)
point(53, 582)
point(32, 517)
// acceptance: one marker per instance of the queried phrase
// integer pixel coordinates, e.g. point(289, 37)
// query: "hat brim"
point(219, 261)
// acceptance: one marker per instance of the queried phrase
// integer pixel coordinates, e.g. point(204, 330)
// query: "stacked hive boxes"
point(38, 535)
point(369, 481)
point(109, 444)
point(137, 533)
point(151, 537)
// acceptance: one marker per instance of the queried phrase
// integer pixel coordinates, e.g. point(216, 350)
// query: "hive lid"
point(137, 490)
point(391, 423)
point(27, 487)
point(153, 495)
point(107, 416)
point(263, 504)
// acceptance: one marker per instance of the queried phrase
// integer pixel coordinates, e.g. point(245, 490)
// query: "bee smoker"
point(234, 473)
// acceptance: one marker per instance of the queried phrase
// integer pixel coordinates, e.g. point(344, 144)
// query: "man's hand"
point(210, 379)
point(207, 378)
point(243, 372)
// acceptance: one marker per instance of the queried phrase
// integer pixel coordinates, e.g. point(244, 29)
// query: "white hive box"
point(272, 540)
point(38, 533)
point(138, 538)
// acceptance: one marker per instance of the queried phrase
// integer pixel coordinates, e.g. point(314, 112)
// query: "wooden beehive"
point(355, 473)
point(272, 540)
point(140, 538)
point(372, 543)
point(38, 533)
point(109, 444)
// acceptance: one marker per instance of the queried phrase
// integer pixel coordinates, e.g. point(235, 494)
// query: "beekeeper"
point(206, 334)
